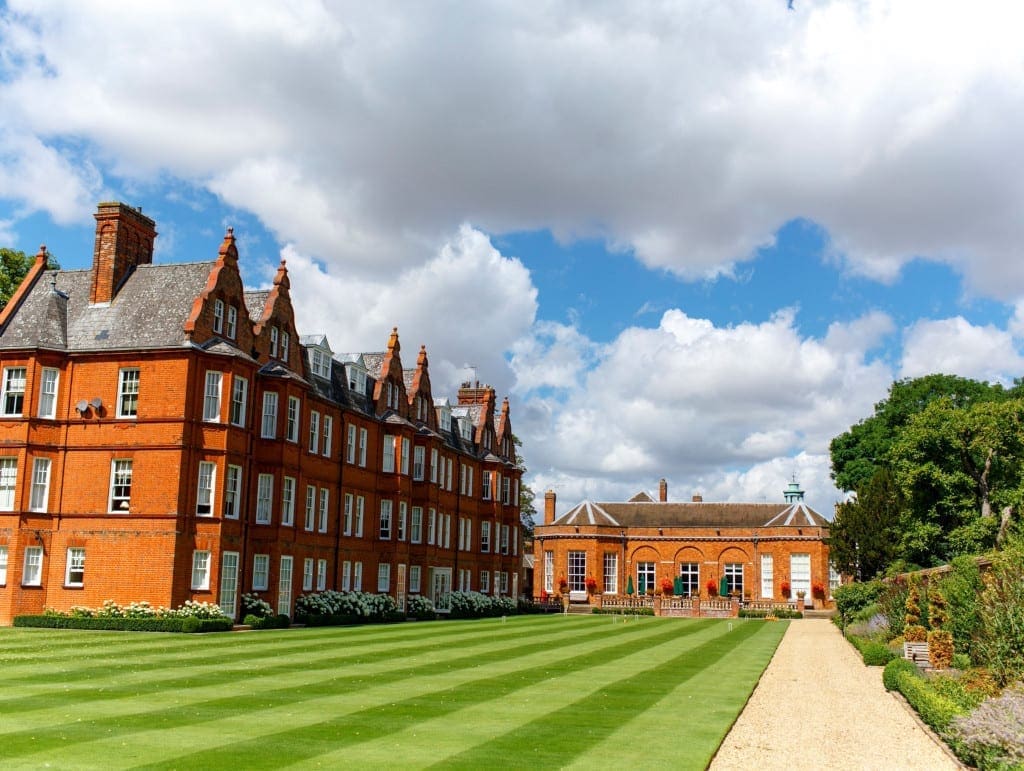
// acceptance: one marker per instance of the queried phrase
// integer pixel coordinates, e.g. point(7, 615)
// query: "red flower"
point(591, 584)
point(712, 588)
point(818, 590)
point(667, 586)
point(785, 588)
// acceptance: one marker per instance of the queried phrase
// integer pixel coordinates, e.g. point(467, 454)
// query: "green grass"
point(535, 691)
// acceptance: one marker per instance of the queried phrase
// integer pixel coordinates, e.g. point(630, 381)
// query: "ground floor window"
point(577, 571)
point(611, 573)
point(485, 581)
point(284, 587)
point(767, 576)
point(200, 569)
point(228, 582)
point(414, 579)
point(549, 571)
point(74, 575)
point(734, 577)
point(644, 577)
point(834, 580)
point(441, 588)
point(383, 577)
point(800, 574)
point(689, 572)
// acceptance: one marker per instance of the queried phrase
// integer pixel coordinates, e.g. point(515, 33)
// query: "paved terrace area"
point(818, 707)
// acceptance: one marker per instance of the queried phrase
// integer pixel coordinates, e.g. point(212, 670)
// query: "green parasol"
point(629, 585)
point(723, 587)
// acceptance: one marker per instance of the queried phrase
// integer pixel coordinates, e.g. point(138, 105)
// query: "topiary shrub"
point(875, 654)
point(894, 668)
point(915, 633)
point(940, 649)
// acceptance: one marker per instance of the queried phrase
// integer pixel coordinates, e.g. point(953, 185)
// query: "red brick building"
point(749, 549)
point(166, 434)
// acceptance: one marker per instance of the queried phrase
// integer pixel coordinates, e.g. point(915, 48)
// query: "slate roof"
point(256, 302)
point(671, 514)
point(149, 311)
point(373, 362)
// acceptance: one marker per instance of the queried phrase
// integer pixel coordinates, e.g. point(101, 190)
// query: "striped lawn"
point(533, 691)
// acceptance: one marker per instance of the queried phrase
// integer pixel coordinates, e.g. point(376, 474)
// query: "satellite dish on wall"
point(82, 406)
point(96, 402)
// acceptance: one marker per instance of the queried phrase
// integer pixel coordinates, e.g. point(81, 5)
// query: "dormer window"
point(356, 379)
point(218, 316)
point(320, 363)
point(273, 342)
point(466, 429)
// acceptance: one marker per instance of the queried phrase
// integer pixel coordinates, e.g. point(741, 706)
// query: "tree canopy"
point(527, 508)
point(14, 266)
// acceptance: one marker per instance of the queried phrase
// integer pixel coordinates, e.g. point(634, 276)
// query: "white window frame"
point(767, 577)
point(8, 481)
point(386, 513)
point(416, 525)
point(431, 527)
point(485, 581)
point(228, 595)
point(288, 501)
point(74, 567)
point(128, 387)
point(211, 396)
point(328, 435)
point(309, 525)
point(347, 521)
point(404, 457)
point(324, 509)
point(264, 499)
point(205, 487)
point(403, 519)
point(284, 586)
point(200, 570)
point(273, 342)
point(12, 398)
point(388, 460)
point(549, 571)
point(218, 316)
point(232, 325)
point(485, 483)
point(314, 432)
point(239, 398)
point(49, 380)
point(260, 572)
point(433, 466)
point(118, 478)
point(383, 577)
point(292, 420)
point(485, 536)
point(321, 575)
point(363, 441)
point(350, 444)
point(307, 574)
point(360, 514)
point(3, 565)
point(40, 496)
point(418, 458)
point(357, 576)
point(232, 491)
point(32, 571)
point(346, 576)
point(414, 579)
point(610, 573)
point(286, 346)
point(268, 420)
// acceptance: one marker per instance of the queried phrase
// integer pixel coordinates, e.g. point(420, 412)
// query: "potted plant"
point(563, 585)
point(591, 583)
point(712, 588)
point(785, 587)
point(666, 587)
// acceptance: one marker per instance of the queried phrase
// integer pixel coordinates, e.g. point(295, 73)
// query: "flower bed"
point(135, 617)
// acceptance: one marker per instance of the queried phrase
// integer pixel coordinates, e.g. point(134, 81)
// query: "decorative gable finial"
point(228, 251)
point(393, 345)
point(421, 360)
point(281, 277)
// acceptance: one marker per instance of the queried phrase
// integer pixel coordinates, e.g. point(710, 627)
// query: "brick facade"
point(135, 426)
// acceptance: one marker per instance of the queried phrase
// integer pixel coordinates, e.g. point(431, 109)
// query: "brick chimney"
point(549, 507)
point(124, 240)
point(698, 498)
point(663, 491)
point(474, 393)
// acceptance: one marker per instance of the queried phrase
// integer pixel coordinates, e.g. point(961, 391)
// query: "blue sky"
point(691, 241)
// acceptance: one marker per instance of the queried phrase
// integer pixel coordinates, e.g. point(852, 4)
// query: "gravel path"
point(818, 707)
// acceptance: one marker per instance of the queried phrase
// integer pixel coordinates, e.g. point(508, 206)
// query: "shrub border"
point(187, 624)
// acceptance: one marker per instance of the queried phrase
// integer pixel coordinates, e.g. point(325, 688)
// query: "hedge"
point(267, 622)
point(935, 709)
point(778, 613)
point(623, 611)
point(188, 624)
point(894, 668)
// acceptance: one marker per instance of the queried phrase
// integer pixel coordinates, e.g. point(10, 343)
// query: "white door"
point(228, 582)
point(441, 588)
point(800, 577)
point(284, 588)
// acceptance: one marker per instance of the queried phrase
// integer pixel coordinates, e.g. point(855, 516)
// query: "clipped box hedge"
point(188, 624)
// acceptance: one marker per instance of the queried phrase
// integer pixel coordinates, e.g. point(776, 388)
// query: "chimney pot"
point(698, 498)
point(663, 491)
point(549, 507)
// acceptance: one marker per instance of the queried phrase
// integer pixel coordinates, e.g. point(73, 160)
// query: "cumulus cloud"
point(683, 133)
point(957, 347)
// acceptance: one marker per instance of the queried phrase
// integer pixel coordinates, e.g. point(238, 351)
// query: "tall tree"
point(864, 535)
point(527, 508)
point(14, 265)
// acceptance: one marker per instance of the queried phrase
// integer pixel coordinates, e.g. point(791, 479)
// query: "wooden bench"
point(918, 653)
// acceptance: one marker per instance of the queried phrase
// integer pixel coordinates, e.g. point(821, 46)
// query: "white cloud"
point(957, 347)
point(687, 133)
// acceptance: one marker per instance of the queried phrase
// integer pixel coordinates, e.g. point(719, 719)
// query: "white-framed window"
point(273, 342)
point(388, 462)
point(357, 577)
point(834, 580)
point(577, 571)
point(239, 397)
point(385, 520)
point(485, 581)
point(319, 363)
point(128, 392)
point(260, 572)
point(32, 573)
point(40, 497)
point(284, 587)
point(485, 484)
point(292, 422)
point(321, 575)
point(403, 518)
point(767, 576)
point(644, 577)
point(324, 506)
point(504, 539)
point(416, 526)
point(734, 577)
point(506, 490)
point(211, 397)
point(204, 490)
point(120, 486)
point(360, 511)
point(346, 576)
point(418, 458)
point(462, 479)
point(218, 316)
point(328, 435)
point(288, 501)
point(363, 438)
point(3, 566)
point(469, 534)
point(314, 431)
point(504, 582)
point(200, 569)
point(515, 540)
point(346, 525)
point(286, 345)
point(264, 498)
point(485, 536)
point(689, 572)
point(48, 380)
point(433, 466)
point(232, 322)
point(432, 526)
point(232, 492)
point(8, 482)
point(74, 571)
point(611, 573)
point(404, 457)
point(451, 466)
point(414, 579)
point(268, 426)
point(307, 574)
point(384, 577)
point(350, 444)
point(13, 398)
point(310, 523)
point(447, 531)
point(228, 583)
